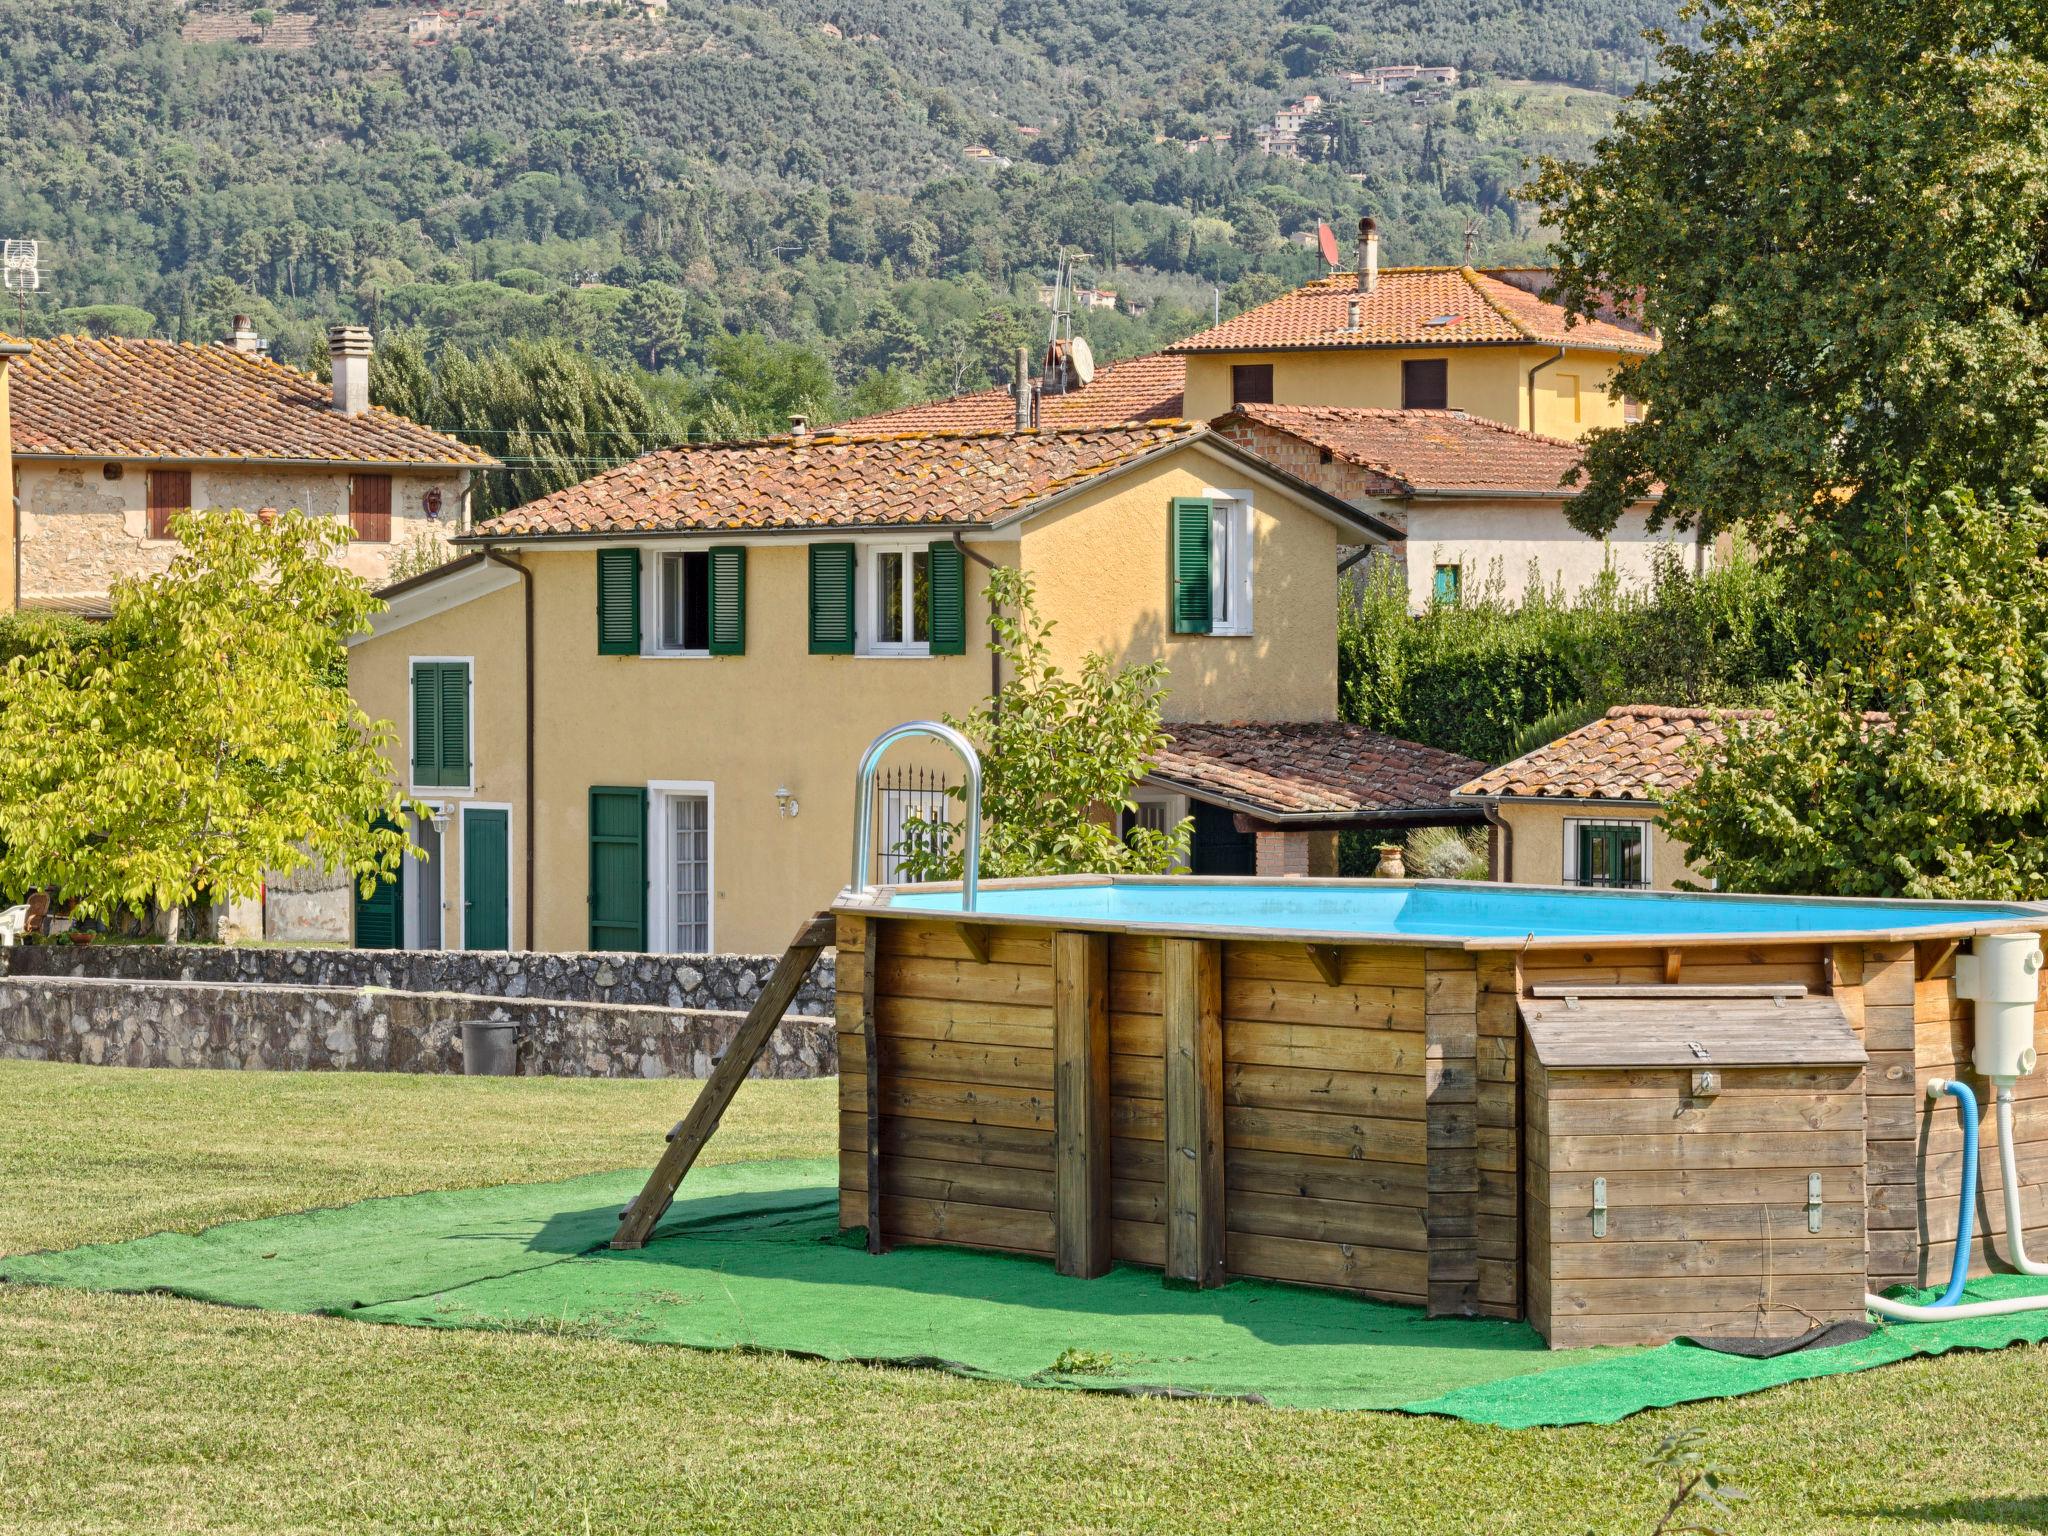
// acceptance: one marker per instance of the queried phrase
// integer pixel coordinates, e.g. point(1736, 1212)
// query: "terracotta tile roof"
point(79, 397)
point(1412, 307)
point(1137, 389)
point(835, 480)
point(1420, 452)
point(1320, 770)
point(1633, 752)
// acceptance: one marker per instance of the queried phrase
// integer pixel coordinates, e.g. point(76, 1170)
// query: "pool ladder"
point(864, 804)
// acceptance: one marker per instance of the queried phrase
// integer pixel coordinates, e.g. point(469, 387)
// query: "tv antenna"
point(23, 275)
point(1069, 364)
point(1471, 240)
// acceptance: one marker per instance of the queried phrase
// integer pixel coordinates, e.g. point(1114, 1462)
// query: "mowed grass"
point(146, 1414)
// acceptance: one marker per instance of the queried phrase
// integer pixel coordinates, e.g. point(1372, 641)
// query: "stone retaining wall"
point(258, 1027)
point(661, 981)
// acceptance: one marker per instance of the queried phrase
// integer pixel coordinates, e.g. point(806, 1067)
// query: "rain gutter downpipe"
point(1547, 362)
point(526, 812)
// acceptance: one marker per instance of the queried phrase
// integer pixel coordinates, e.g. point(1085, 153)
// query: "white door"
point(689, 874)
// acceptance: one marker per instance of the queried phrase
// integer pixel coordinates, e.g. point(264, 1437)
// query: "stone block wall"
point(262, 1027)
point(698, 982)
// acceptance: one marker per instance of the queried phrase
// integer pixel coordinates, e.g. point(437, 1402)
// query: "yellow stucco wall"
point(780, 717)
point(1101, 564)
point(1570, 396)
point(1539, 832)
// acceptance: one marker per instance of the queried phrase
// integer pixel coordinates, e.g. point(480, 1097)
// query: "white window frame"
point(462, 876)
point(1231, 524)
point(418, 874)
point(661, 893)
point(653, 564)
point(1572, 827)
point(1173, 807)
point(868, 600)
point(412, 666)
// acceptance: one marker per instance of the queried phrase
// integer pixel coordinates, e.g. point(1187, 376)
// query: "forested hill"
point(868, 192)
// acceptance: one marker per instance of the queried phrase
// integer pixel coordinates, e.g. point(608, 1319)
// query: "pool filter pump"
point(2002, 976)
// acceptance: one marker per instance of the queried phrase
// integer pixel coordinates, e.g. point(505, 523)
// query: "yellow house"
point(1584, 809)
point(637, 705)
point(1485, 342)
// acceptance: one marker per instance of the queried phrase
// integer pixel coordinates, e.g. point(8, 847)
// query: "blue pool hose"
point(1966, 1106)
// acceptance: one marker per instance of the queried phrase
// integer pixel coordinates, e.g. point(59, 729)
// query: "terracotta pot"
point(1392, 865)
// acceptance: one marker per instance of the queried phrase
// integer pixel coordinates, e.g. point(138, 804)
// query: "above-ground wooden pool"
point(1626, 1116)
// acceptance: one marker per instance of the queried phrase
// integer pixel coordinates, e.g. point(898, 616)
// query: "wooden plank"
point(1626, 1295)
point(1317, 1002)
point(1387, 1273)
point(1306, 1133)
point(1327, 962)
point(940, 939)
point(871, 1084)
point(1841, 1215)
point(1384, 1095)
point(967, 1224)
point(1573, 1191)
point(1666, 991)
point(1020, 1189)
point(1724, 1113)
point(688, 1138)
point(1080, 968)
point(1395, 1052)
point(979, 940)
point(1359, 965)
point(1690, 1259)
point(1620, 1154)
point(1674, 965)
point(1324, 1178)
point(1191, 993)
point(1672, 1083)
point(1636, 1032)
point(1451, 1210)
point(964, 981)
point(1001, 1146)
point(1328, 1221)
point(926, 1018)
point(950, 1061)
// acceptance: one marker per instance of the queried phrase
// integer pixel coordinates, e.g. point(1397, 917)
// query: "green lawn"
point(151, 1415)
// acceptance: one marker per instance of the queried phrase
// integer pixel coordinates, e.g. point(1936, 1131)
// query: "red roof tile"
point(1137, 389)
point(1320, 770)
point(1633, 752)
point(835, 480)
point(79, 397)
point(1422, 452)
point(1413, 307)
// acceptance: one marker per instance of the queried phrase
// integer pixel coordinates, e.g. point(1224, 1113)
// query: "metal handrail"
point(864, 803)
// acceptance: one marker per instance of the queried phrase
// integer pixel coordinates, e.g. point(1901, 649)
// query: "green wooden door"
point(618, 867)
point(486, 879)
point(380, 916)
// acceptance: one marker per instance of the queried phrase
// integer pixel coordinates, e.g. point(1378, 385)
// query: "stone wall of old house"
point(256, 1027)
point(81, 530)
point(1307, 462)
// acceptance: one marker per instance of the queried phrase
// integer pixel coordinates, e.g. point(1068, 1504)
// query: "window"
point(1611, 853)
point(1157, 811)
point(440, 723)
point(170, 492)
point(369, 507)
point(684, 602)
point(1568, 395)
point(1251, 384)
point(901, 594)
point(1447, 586)
point(1230, 575)
point(683, 840)
point(1425, 385)
point(1631, 408)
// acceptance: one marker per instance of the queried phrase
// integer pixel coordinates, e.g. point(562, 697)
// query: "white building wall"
point(1514, 543)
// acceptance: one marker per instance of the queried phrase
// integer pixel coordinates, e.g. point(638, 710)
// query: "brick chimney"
point(244, 339)
point(349, 350)
point(1368, 255)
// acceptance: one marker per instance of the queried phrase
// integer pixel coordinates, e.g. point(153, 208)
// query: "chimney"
point(1351, 315)
point(349, 349)
point(243, 338)
point(799, 426)
point(1023, 389)
point(1368, 255)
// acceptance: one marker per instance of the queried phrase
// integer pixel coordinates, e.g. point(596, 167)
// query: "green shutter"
point(426, 723)
point(618, 868)
point(618, 602)
point(454, 691)
point(948, 571)
point(1190, 598)
point(729, 600)
point(831, 599)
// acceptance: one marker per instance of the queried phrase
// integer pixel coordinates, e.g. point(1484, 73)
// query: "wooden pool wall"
point(1344, 1115)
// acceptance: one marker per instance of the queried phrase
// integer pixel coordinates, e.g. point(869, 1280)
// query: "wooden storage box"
point(1694, 1163)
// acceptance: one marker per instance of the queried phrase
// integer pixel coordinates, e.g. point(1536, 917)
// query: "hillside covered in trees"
point(720, 194)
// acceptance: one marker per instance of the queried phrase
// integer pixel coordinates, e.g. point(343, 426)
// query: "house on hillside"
point(1477, 503)
point(1137, 389)
point(717, 633)
point(1485, 342)
point(112, 437)
point(1583, 810)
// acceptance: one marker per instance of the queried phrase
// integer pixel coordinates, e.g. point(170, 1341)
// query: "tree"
point(1914, 760)
point(1831, 211)
point(208, 738)
point(1059, 755)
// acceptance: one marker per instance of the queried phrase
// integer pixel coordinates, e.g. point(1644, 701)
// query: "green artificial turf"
point(750, 1257)
point(150, 1414)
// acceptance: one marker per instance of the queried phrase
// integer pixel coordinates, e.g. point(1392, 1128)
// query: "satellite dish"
point(1081, 362)
point(1326, 241)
